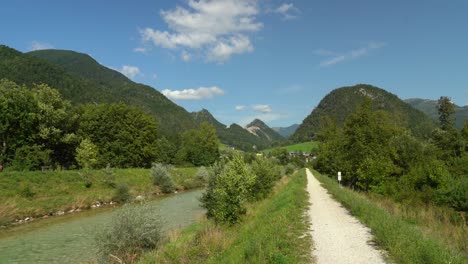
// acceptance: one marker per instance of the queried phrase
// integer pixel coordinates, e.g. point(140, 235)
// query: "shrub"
point(227, 192)
point(290, 168)
point(266, 175)
point(202, 174)
point(162, 178)
point(31, 158)
point(132, 231)
point(109, 178)
point(454, 195)
point(122, 193)
point(86, 154)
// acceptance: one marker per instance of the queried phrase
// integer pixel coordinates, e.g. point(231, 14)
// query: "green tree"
point(18, 120)
point(228, 192)
point(87, 154)
point(446, 109)
point(125, 135)
point(281, 154)
point(447, 139)
point(56, 124)
point(267, 173)
point(200, 146)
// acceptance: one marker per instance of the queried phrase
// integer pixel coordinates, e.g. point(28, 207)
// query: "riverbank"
point(273, 231)
point(27, 196)
point(71, 238)
point(408, 235)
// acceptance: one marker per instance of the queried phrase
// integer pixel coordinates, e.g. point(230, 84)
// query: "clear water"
point(72, 241)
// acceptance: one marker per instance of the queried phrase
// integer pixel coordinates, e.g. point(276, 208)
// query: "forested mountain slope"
point(81, 79)
point(429, 107)
point(339, 103)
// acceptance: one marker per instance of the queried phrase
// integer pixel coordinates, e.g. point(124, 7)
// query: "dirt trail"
point(338, 237)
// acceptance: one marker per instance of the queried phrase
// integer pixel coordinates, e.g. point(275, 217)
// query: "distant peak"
point(257, 122)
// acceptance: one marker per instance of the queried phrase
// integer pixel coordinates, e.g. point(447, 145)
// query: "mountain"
point(286, 131)
point(235, 135)
point(81, 79)
point(205, 116)
point(429, 107)
point(261, 130)
point(340, 102)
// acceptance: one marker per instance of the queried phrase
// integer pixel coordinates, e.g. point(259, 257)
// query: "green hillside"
point(170, 116)
point(339, 103)
point(429, 107)
point(305, 147)
point(81, 79)
point(235, 135)
point(286, 131)
point(267, 134)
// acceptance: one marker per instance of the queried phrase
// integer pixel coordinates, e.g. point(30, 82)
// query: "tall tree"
point(125, 135)
point(200, 146)
point(445, 108)
point(18, 119)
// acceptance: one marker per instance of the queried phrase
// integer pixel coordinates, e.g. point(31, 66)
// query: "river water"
point(72, 240)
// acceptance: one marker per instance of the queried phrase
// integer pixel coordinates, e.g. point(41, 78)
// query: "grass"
point(273, 231)
point(301, 147)
point(406, 240)
point(34, 194)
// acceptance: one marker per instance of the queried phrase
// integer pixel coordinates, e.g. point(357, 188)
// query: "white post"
point(339, 177)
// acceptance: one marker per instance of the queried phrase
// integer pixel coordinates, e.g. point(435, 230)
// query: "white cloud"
point(288, 11)
point(218, 28)
point(240, 107)
point(262, 108)
point(235, 45)
point(185, 56)
point(194, 94)
point(351, 55)
point(130, 71)
point(36, 45)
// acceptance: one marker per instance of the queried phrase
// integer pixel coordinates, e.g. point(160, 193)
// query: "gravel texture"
point(338, 237)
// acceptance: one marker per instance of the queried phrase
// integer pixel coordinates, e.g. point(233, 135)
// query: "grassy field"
point(274, 231)
point(33, 194)
point(301, 147)
point(408, 237)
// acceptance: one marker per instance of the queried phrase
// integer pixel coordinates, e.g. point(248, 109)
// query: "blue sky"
point(267, 59)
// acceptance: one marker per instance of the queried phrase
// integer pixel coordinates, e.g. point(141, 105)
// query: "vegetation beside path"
point(271, 232)
point(410, 235)
point(35, 194)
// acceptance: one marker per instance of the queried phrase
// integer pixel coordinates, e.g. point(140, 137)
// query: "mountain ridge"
point(429, 107)
point(341, 102)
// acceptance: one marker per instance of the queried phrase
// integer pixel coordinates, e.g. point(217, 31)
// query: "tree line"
point(375, 154)
point(39, 128)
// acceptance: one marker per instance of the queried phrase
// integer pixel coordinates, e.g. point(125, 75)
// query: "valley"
point(233, 131)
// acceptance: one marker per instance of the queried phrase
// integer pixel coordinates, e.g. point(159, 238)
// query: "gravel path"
point(338, 237)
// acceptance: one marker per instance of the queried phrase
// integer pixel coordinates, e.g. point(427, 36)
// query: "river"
point(71, 240)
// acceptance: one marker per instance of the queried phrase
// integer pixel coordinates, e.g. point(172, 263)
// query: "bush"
point(109, 178)
point(202, 174)
point(454, 195)
point(31, 158)
point(267, 173)
point(162, 178)
point(290, 168)
point(227, 192)
point(122, 193)
point(132, 231)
